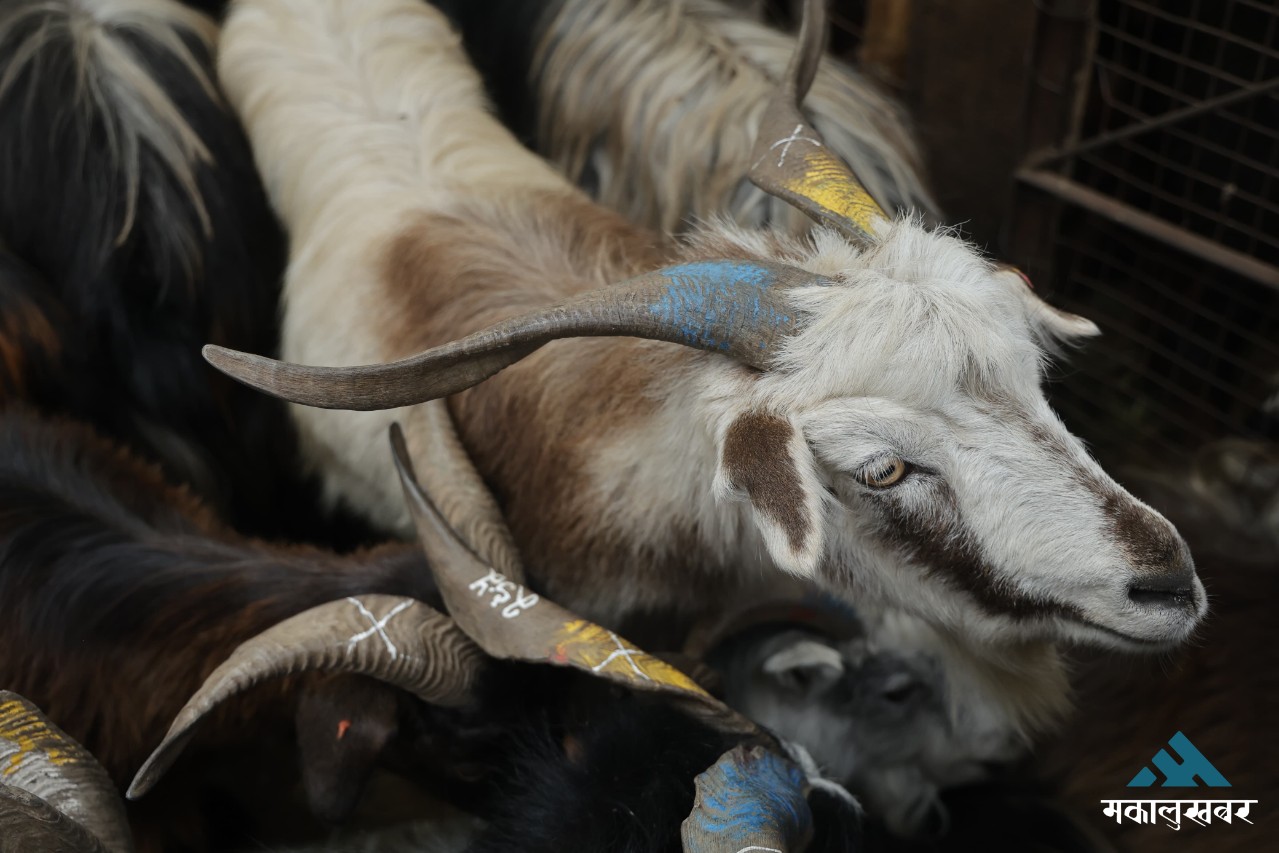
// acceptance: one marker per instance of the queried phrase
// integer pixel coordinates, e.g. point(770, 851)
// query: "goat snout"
point(1173, 590)
point(1165, 575)
point(1148, 597)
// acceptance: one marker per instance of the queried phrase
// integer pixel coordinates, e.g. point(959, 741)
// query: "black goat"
point(131, 196)
point(121, 593)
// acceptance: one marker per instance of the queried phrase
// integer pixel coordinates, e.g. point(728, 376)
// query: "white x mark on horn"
point(622, 652)
point(379, 625)
point(795, 136)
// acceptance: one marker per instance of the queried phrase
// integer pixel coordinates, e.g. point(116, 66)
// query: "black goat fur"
point(122, 593)
point(147, 256)
point(578, 764)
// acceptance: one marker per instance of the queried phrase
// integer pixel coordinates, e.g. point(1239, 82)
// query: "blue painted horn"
point(735, 307)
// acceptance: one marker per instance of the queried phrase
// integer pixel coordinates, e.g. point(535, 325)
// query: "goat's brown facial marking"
point(1150, 543)
point(757, 459)
point(1000, 524)
point(1152, 546)
point(942, 545)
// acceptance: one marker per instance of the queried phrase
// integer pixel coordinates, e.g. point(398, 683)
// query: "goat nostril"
point(1169, 591)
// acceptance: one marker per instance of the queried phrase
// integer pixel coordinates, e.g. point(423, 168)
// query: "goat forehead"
point(1012, 424)
point(909, 329)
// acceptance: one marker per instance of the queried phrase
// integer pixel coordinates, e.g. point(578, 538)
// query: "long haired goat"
point(862, 410)
point(121, 593)
point(653, 105)
point(131, 194)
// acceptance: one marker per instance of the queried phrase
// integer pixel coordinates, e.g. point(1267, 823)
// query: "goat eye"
point(881, 475)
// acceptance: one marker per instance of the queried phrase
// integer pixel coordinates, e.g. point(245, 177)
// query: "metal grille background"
point(1159, 219)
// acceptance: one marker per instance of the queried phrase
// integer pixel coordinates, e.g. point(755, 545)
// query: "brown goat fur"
point(542, 424)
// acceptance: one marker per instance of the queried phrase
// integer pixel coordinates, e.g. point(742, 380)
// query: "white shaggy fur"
point(655, 104)
point(366, 117)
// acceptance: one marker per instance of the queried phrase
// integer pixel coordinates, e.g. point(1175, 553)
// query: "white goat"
point(892, 442)
point(654, 105)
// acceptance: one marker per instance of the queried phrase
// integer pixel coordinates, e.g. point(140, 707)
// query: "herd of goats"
point(645, 469)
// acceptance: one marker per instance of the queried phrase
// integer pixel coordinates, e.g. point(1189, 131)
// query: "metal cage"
point(1150, 203)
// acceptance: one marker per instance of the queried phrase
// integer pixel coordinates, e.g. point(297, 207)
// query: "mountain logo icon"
point(1180, 774)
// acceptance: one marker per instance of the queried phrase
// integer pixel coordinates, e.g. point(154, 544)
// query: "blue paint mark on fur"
point(704, 300)
point(745, 801)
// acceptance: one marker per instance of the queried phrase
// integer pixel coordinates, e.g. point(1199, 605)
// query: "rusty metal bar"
point(1220, 221)
point(1151, 226)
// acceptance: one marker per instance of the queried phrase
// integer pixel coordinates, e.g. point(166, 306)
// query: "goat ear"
point(808, 668)
point(764, 457)
point(1052, 324)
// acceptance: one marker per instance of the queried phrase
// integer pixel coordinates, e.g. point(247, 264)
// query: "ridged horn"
point(458, 490)
point(738, 308)
point(400, 641)
point(791, 161)
point(53, 794)
point(29, 823)
point(751, 799)
point(508, 621)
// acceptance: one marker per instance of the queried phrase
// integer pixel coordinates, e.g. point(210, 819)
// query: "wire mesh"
point(1183, 117)
point(1179, 121)
point(1188, 353)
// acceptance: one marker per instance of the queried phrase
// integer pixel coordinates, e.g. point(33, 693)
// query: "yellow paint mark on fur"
point(602, 651)
point(29, 735)
point(827, 181)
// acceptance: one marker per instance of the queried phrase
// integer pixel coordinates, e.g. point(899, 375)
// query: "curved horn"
point(52, 791)
point(29, 823)
point(464, 501)
point(790, 159)
point(508, 621)
point(738, 308)
point(751, 799)
point(396, 640)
